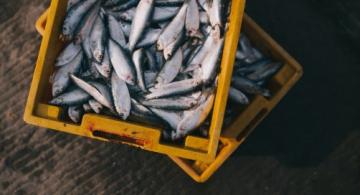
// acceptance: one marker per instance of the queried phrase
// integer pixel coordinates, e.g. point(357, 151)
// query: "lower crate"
point(253, 114)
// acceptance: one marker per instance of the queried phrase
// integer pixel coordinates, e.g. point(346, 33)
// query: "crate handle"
point(253, 123)
point(115, 138)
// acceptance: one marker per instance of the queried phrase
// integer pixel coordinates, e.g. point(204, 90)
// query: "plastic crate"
point(254, 113)
point(38, 112)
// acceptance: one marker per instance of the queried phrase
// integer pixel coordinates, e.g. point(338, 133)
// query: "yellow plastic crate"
point(38, 112)
point(254, 113)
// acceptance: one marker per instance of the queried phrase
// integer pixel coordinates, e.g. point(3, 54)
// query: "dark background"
point(309, 144)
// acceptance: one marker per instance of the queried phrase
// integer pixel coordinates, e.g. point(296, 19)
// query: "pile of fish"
point(150, 61)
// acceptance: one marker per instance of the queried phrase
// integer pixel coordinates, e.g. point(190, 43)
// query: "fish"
point(73, 18)
point(98, 40)
point(265, 72)
point(174, 88)
point(193, 118)
point(172, 47)
point(173, 29)
point(142, 15)
point(116, 31)
point(121, 96)
point(170, 69)
point(95, 106)
point(151, 61)
point(68, 54)
point(86, 25)
point(71, 97)
point(171, 103)
point(126, 28)
point(238, 96)
point(96, 90)
point(71, 3)
point(104, 68)
point(214, 12)
point(209, 64)
point(124, 6)
point(86, 107)
point(192, 23)
point(249, 86)
point(61, 79)
point(75, 113)
point(127, 15)
point(169, 2)
point(150, 37)
point(244, 70)
point(161, 14)
point(122, 64)
point(170, 117)
point(138, 62)
point(109, 3)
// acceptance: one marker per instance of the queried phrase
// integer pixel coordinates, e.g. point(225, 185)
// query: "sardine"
point(96, 92)
point(171, 68)
point(138, 62)
point(127, 15)
point(73, 17)
point(126, 28)
point(75, 113)
point(104, 67)
point(249, 86)
point(86, 25)
point(98, 40)
point(195, 117)
point(121, 95)
point(173, 46)
point(124, 6)
point(238, 96)
point(151, 61)
point(209, 65)
point(174, 88)
point(170, 117)
point(95, 106)
point(68, 54)
point(161, 14)
point(172, 31)
point(121, 63)
point(115, 31)
point(192, 22)
point(150, 37)
point(172, 103)
point(142, 15)
point(214, 12)
point(265, 72)
point(61, 78)
point(71, 97)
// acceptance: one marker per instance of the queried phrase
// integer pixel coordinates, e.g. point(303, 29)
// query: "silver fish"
point(61, 78)
point(238, 96)
point(73, 18)
point(161, 14)
point(68, 54)
point(109, 3)
point(86, 25)
point(121, 63)
point(95, 106)
point(195, 117)
point(173, 46)
point(150, 37)
point(121, 95)
point(126, 28)
point(172, 31)
point(172, 103)
point(265, 72)
point(142, 15)
point(98, 40)
point(253, 67)
point(149, 77)
point(138, 62)
point(71, 98)
point(209, 64)
point(124, 6)
point(170, 69)
point(127, 15)
point(170, 117)
point(151, 61)
point(249, 86)
point(214, 12)
point(75, 113)
point(174, 88)
point(87, 107)
point(96, 92)
point(115, 31)
point(192, 22)
point(105, 67)
point(204, 19)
